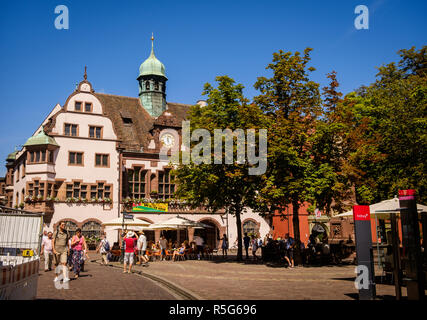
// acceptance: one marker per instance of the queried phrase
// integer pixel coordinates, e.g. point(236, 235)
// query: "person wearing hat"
point(130, 245)
point(142, 248)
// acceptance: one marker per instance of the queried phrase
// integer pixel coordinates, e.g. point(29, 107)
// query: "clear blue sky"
point(195, 40)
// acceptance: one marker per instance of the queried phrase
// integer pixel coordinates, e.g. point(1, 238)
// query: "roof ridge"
point(180, 104)
point(115, 95)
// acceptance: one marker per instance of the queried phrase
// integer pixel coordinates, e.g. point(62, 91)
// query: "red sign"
point(361, 213)
point(410, 192)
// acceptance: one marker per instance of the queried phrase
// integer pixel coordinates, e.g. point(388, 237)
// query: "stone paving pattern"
point(102, 283)
point(230, 280)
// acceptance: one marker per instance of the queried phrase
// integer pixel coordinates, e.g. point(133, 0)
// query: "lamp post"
point(119, 188)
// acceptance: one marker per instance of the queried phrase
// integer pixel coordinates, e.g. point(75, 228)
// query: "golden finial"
point(85, 76)
point(152, 36)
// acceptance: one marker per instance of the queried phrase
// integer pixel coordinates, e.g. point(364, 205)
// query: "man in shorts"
point(142, 248)
point(60, 250)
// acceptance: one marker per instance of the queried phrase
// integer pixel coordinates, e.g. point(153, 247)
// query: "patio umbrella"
point(178, 223)
point(383, 208)
point(118, 222)
point(133, 228)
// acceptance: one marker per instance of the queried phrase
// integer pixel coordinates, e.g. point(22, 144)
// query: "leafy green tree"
point(219, 186)
point(292, 103)
point(387, 125)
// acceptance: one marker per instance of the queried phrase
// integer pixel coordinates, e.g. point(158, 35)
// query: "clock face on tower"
point(168, 140)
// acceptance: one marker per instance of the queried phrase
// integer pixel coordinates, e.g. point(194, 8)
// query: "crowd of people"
point(69, 253)
point(65, 252)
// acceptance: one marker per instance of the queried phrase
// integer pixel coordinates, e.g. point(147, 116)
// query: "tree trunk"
point(239, 236)
point(297, 238)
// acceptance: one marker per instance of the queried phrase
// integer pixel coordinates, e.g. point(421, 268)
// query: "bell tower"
point(152, 84)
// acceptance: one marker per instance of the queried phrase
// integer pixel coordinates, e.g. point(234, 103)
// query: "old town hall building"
point(72, 166)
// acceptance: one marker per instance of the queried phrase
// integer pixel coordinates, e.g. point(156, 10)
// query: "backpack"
point(106, 245)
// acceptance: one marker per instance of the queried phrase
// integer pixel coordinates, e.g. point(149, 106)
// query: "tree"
point(390, 125)
point(292, 103)
point(218, 186)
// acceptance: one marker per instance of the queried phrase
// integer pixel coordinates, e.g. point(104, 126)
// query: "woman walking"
point(130, 245)
point(224, 246)
point(78, 244)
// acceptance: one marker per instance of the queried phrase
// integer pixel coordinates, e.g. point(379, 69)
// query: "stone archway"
point(211, 235)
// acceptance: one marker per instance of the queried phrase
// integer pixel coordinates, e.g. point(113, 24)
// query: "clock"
point(168, 140)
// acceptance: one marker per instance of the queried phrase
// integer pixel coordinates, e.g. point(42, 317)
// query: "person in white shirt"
point(142, 248)
point(199, 243)
point(47, 251)
point(102, 249)
point(163, 243)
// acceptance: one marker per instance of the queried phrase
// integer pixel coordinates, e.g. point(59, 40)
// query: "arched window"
point(147, 85)
point(70, 226)
point(156, 85)
point(250, 227)
point(91, 229)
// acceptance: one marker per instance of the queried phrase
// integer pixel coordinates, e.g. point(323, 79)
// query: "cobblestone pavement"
point(103, 283)
point(229, 280)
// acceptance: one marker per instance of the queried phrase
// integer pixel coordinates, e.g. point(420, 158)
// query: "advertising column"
point(411, 255)
point(365, 280)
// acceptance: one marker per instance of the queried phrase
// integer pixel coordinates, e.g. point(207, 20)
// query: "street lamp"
point(119, 188)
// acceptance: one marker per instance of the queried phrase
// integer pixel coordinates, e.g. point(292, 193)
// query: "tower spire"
point(152, 43)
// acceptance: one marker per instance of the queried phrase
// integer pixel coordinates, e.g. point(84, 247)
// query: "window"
point(166, 185)
point(70, 226)
point(39, 157)
point(250, 227)
point(156, 85)
point(95, 132)
point(36, 188)
point(91, 229)
point(76, 190)
point(78, 106)
point(75, 158)
point(88, 107)
point(147, 85)
point(102, 160)
point(70, 129)
point(23, 170)
point(127, 120)
point(100, 190)
point(136, 183)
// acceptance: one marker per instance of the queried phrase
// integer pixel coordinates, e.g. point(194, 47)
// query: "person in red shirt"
point(130, 244)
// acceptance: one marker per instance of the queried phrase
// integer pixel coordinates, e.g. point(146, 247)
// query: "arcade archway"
point(211, 235)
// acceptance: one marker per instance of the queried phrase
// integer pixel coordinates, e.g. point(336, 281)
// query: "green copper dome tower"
point(152, 84)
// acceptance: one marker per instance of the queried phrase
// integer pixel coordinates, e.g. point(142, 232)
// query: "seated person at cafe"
point(179, 251)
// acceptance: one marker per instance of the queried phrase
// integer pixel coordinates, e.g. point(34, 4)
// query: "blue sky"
point(195, 40)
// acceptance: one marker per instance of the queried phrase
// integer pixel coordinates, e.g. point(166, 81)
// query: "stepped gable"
point(173, 115)
point(131, 121)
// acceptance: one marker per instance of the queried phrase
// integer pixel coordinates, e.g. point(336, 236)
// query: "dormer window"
point(78, 106)
point(88, 107)
point(126, 116)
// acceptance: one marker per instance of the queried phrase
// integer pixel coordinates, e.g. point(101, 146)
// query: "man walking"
point(163, 244)
point(59, 248)
point(199, 243)
point(48, 253)
point(289, 250)
point(246, 242)
point(104, 249)
point(142, 248)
